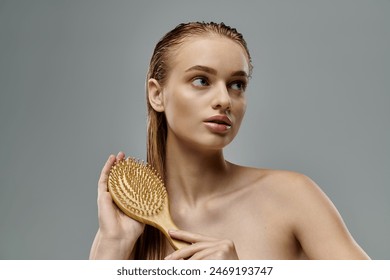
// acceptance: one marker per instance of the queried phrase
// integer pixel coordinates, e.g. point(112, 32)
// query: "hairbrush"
point(139, 191)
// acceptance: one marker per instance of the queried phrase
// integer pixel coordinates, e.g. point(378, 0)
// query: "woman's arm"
point(106, 249)
point(318, 225)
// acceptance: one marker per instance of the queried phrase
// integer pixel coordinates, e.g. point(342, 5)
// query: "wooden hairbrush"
point(139, 192)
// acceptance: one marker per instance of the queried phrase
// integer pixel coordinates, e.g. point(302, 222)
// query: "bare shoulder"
point(296, 192)
point(283, 184)
point(310, 214)
point(281, 192)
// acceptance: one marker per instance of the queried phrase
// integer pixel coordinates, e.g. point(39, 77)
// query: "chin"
point(214, 143)
point(205, 141)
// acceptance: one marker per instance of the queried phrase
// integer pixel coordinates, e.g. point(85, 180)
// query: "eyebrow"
point(212, 71)
point(202, 68)
point(241, 74)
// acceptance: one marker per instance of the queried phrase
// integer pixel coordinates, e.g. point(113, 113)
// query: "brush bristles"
point(138, 187)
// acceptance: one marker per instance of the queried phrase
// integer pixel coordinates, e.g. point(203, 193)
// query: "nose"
point(221, 98)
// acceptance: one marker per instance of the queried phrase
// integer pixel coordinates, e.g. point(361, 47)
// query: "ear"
point(155, 95)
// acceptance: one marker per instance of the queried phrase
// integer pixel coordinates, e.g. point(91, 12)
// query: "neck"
point(193, 175)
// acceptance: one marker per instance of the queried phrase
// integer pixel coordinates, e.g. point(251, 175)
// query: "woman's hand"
point(113, 223)
point(116, 230)
point(202, 248)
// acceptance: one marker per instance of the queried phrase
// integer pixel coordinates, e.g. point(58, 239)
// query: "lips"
point(218, 123)
point(220, 119)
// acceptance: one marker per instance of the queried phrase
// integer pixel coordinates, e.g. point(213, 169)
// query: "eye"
point(200, 82)
point(238, 85)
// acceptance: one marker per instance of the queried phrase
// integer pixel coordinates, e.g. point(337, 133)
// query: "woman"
point(196, 101)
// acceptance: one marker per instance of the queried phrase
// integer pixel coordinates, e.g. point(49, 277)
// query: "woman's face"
point(204, 95)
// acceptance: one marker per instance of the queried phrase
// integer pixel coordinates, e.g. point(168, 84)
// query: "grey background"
point(72, 79)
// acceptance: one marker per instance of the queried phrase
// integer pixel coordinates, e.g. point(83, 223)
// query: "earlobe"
point(155, 95)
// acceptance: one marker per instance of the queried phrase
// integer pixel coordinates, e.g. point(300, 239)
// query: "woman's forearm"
point(110, 249)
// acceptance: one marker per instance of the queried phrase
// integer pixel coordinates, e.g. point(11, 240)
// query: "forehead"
point(219, 53)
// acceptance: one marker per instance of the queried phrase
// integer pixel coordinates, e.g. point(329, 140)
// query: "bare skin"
point(224, 210)
point(270, 215)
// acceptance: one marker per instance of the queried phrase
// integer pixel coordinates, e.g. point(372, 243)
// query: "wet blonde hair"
point(151, 244)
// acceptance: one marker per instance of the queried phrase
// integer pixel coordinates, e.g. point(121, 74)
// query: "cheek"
point(239, 112)
point(240, 109)
point(178, 109)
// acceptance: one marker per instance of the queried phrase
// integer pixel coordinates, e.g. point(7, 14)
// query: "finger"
point(120, 156)
point(190, 237)
point(102, 184)
point(189, 251)
point(203, 254)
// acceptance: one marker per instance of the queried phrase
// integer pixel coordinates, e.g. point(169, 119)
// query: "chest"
point(258, 231)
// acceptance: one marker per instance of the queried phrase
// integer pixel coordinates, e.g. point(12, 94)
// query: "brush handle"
point(175, 243)
point(164, 224)
point(178, 244)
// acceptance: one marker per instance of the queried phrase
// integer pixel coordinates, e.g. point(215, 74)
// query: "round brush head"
point(136, 188)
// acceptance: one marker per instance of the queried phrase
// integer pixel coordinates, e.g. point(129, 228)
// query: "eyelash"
point(200, 78)
point(206, 81)
point(242, 85)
